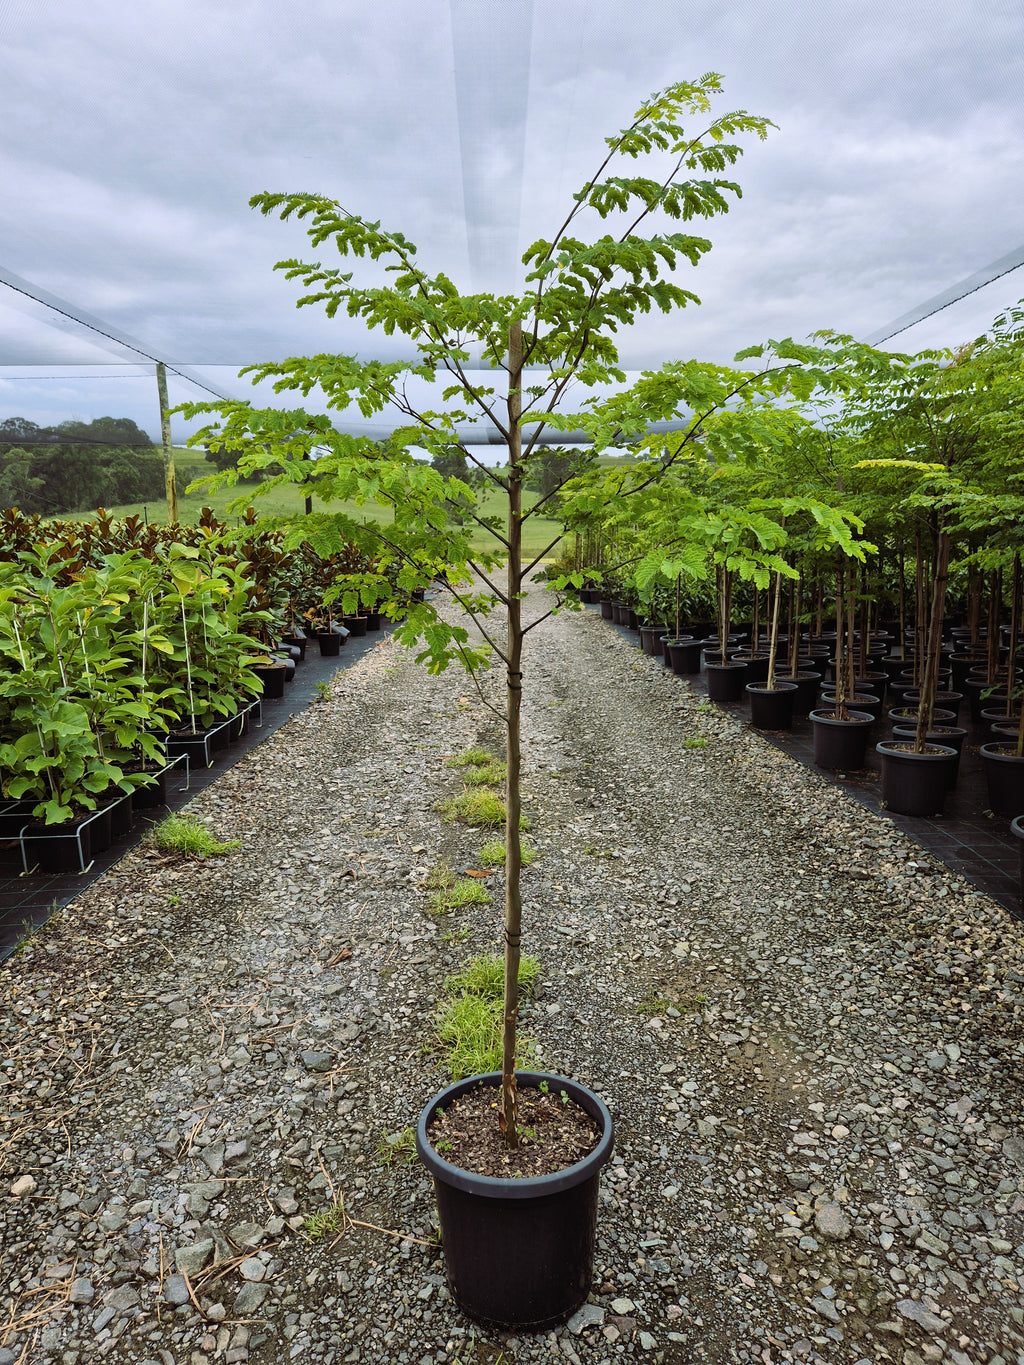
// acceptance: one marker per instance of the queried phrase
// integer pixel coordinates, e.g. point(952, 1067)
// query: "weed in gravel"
point(695, 744)
point(440, 877)
point(184, 834)
point(484, 976)
point(458, 896)
point(317, 1226)
point(482, 808)
point(400, 1146)
point(323, 691)
point(455, 935)
point(493, 853)
point(652, 1003)
point(490, 776)
point(472, 758)
point(469, 1019)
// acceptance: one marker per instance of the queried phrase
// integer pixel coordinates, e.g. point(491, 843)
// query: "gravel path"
point(807, 1030)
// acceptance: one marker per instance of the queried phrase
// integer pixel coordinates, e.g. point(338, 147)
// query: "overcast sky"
point(135, 132)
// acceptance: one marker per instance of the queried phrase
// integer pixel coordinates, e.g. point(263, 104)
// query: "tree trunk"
point(513, 701)
point(995, 602)
point(841, 712)
point(773, 641)
point(1014, 632)
point(170, 481)
point(926, 702)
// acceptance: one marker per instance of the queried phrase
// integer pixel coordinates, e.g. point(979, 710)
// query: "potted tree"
point(560, 329)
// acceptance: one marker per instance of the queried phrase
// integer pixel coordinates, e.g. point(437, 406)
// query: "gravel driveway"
point(807, 1030)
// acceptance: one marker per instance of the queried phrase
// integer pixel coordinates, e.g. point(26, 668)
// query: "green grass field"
point(538, 532)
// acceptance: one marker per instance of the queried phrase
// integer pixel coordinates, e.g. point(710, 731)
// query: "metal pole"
point(165, 433)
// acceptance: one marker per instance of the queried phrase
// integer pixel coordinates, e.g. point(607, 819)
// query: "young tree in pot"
point(560, 330)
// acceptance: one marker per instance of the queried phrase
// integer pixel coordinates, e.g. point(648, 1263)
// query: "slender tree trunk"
point(1014, 632)
point(755, 639)
point(973, 603)
point(841, 713)
point(819, 621)
point(995, 595)
point(773, 642)
point(513, 702)
point(793, 616)
point(926, 701)
point(679, 619)
point(903, 603)
point(919, 613)
point(851, 626)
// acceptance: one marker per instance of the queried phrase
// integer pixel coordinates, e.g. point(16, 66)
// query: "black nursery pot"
point(357, 625)
point(684, 655)
point(518, 1253)
point(1004, 773)
point(606, 609)
point(841, 743)
point(650, 640)
point(1017, 830)
point(153, 793)
point(915, 784)
point(952, 735)
point(330, 644)
point(806, 695)
point(298, 642)
point(271, 678)
point(53, 849)
point(771, 709)
point(726, 681)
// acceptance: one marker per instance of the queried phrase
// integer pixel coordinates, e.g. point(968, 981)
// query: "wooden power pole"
point(165, 433)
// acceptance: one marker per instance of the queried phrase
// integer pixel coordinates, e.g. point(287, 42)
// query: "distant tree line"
point(77, 466)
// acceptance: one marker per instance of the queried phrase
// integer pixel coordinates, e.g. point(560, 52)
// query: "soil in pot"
point(907, 715)
point(841, 743)
point(863, 701)
point(912, 783)
point(554, 1134)
point(772, 709)
point(518, 1252)
point(1004, 773)
point(951, 735)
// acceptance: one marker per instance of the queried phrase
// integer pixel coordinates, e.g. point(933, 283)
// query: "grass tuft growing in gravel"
point(468, 1020)
point(493, 853)
point(184, 834)
point(481, 808)
point(473, 758)
point(458, 896)
point(490, 776)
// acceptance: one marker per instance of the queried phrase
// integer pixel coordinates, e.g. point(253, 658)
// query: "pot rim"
point(938, 751)
point(522, 1187)
point(989, 751)
point(781, 685)
point(1017, 827)
point(820, 717)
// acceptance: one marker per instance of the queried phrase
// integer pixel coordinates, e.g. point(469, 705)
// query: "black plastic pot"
point(356, 625)
point(951, 735)
point(330, 644)
point(992, 716)
point(271, 678)
point(620, 614)
point(54, 849)
point(865, 701)
point(949, 701)
point(153, 793)
point(1017, 830)
point(298, 642)
point(650, 640)
point(606, 609)
point(1004, 773)
point(757, 666)
point(915, 784)
point(726, 681)
point(119, 812)
point(684, 655)
point(907, 715)
point(841, 743)
point(807, 684)
point(518, 1253)
point(772, 710)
